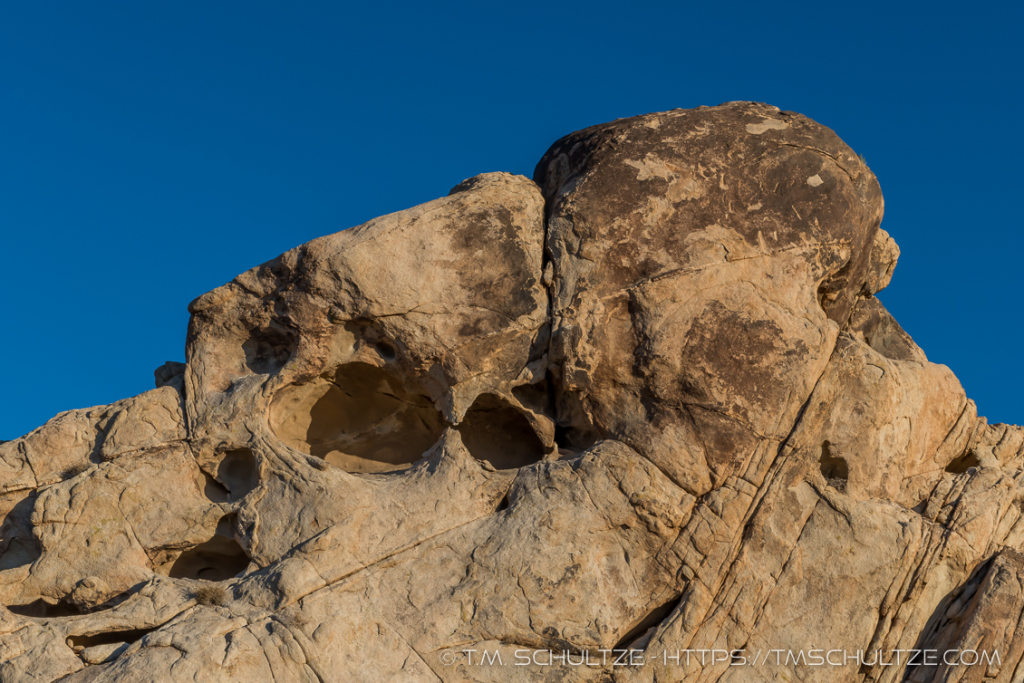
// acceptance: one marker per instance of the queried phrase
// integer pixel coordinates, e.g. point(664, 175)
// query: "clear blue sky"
point(149, 152)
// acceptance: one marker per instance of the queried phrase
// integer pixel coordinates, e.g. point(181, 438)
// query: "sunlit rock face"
point(646, 401)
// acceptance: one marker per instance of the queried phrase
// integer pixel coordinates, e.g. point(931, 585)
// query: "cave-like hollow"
point(359, 418)
point(495, 431)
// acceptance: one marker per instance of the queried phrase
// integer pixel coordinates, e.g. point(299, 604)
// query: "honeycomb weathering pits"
point(360, 418)
point(648, 401)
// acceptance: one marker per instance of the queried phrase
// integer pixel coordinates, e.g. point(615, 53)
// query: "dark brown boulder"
point(704, 261)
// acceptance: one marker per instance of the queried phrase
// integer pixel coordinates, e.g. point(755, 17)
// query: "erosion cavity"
point(218, 559)
point(359, 418)
point(268, 349)
point(229, 476)
point(833, 468)
point(963, 463)
point(494, 431)
point(18, 545)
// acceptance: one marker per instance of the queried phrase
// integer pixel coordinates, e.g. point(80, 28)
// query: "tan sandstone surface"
point(638, 419)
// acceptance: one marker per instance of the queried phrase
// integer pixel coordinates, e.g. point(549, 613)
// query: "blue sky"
point(149, 152)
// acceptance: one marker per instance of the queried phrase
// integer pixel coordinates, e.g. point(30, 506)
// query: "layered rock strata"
point(639, 419)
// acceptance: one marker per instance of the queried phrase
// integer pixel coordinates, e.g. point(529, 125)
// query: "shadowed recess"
point(833, 468)
point(831, 286)
point(40, 609)
point(498, 433)
point(212, 488)
point(632, 638)
point(268, 349)
point(539, 397)
point(108, 638)
point(575, 439)
point(230, 476)
point(18, 546)
point(573, 432)
point(217, 559)
point(358, 418)
point(963, 463)
point(948, 615)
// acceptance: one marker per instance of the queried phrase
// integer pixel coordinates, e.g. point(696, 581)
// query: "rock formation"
point(640, 420)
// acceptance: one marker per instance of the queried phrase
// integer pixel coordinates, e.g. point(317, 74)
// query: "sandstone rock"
point(704, 262)
point(642, 420)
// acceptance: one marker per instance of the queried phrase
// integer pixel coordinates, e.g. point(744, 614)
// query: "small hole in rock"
point(833, 468)
point(217, 559)
point(493, 430)
point(358, 418)
point(386, 350)
point(267, 349)
point(963, 463)
point(502, 504)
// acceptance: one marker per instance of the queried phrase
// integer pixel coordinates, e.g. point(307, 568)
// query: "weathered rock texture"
point(648, 401)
